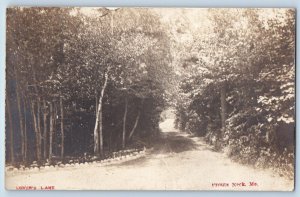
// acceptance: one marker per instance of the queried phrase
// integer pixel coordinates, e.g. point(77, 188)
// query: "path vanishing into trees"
point(177, 161)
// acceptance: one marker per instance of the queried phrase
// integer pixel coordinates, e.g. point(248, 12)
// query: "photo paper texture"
point(150, 98)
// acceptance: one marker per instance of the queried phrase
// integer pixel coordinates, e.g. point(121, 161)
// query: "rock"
point(9, 168)
point(33, 165)
point(35, 169)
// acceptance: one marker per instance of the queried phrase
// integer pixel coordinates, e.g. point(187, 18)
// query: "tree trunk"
point(11, 134)
point(38, 114)
point(21, 122)
point(97, 101)
point(101, 133)
point(36, 117)
point(39, 127)
point(25, 129)
point(62, 128)
point(55, 110)
point(124, 124)
point(223, 109)
point(45, 129)
point(109, 142)
point(135, 125)
point(51, 132)
point(98, 133)
point(37, 134)
point(96, 130)
point(136, 121)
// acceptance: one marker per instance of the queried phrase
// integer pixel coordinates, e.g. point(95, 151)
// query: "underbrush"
point(246, 150)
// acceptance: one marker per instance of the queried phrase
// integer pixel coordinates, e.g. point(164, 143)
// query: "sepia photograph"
point(134, 98)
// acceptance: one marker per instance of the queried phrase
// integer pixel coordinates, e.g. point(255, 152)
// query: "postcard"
point(122, 98)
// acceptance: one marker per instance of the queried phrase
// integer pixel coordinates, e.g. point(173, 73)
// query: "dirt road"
point(176, 162)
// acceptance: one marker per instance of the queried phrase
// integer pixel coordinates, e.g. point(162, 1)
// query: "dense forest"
point(87, 82)
point(238, 86)
point(83, 81)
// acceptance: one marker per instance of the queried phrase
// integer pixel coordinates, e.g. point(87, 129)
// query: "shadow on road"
point(168, 142)
point(173, 142)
